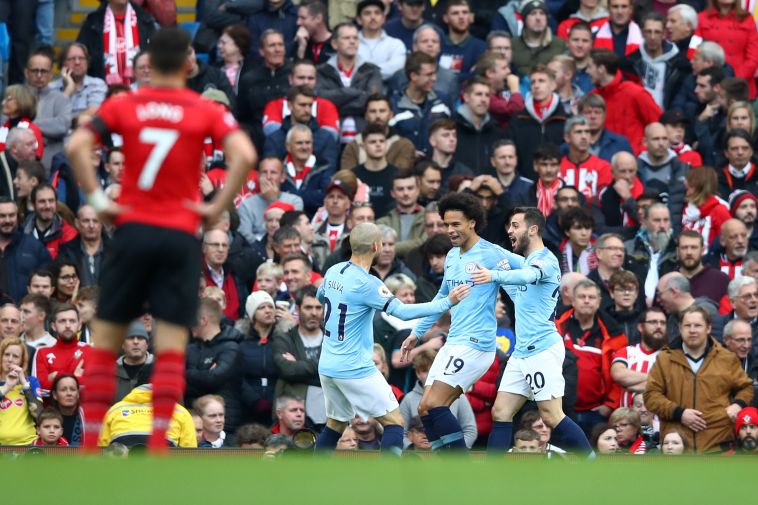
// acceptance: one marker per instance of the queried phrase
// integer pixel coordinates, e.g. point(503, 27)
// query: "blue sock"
point(392, 440)
point(500, 437)
point(571, 437)
point(328, 439)
point(431, 435)
point(447, 428)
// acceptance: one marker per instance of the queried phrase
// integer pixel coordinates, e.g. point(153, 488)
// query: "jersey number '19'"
point(340, 322)
point(162, 140)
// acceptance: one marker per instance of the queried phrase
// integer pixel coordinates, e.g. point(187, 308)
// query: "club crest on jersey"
point(384, 292)
point(470, 268)
point(504, 264)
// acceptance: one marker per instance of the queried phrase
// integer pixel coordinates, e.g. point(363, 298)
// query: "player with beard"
point(535, 369)
point(746, 430)
point(632, 363)
point(351, 382)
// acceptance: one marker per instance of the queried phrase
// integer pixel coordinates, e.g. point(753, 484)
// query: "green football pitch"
point(232, 479)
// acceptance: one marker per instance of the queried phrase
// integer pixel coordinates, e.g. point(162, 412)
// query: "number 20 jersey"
point(164, 131)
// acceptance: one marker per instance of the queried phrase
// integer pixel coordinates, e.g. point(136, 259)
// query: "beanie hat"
point(748, 415)
point(739, 196)
point(255, 300)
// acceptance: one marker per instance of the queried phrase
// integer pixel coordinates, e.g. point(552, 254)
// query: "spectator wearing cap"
point(698, 386)
point(676, 124)
point(460, 49)
point(265, 82)
point(213, 361)
point(328, 237)
point(536, 44)
point(740, 171)
point(742, 206)
point(300, 101)
point(629, 108)
point(374, 45)
point(259, 374)
point(746, 430)
point(404, 26)
point(135, 366)
point(658, 62)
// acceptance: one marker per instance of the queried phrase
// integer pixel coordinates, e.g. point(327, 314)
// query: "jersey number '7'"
point(162, 140)
point(340, 322)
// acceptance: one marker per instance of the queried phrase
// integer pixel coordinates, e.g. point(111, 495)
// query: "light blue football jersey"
point(351, 296)
point(473, 320)
point(534, 288)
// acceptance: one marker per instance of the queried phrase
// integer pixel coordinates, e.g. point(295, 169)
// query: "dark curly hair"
point(466, 203)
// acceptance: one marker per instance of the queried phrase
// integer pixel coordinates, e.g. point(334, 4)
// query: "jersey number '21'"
point(340, 322)
point(162, 140)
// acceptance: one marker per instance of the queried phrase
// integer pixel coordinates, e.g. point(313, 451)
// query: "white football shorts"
point(459, 365)
point(365, 397)
point(538, 377)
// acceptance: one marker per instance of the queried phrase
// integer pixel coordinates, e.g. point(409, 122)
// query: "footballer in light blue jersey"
point(534, 288)
point(351, 296)
point(473, 321)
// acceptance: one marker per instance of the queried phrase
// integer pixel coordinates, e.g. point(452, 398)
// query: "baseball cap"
point(342, 186)
point(286, 207)
point(748, 415)
point(137, 329)
point(533, 5)
point(673, 117)
point(366, 3)
point(218, 96)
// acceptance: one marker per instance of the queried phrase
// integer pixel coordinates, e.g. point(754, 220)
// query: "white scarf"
point(114, 75)
point(292, 171)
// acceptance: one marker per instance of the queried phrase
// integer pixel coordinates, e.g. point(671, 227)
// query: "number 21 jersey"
point(164, 131)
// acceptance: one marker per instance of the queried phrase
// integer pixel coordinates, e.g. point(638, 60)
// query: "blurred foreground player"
point(156, 254)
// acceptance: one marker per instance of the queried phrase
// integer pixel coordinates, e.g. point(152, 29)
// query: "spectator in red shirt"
point(579, 168)
point(727, 23)
point(629, 107)
point(67, 355)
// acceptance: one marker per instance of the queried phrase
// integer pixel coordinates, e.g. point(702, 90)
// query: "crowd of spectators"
point(629, 124)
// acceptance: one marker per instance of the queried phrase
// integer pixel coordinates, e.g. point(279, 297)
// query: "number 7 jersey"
point(164, 131)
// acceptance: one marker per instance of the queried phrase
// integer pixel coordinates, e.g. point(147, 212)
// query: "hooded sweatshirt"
point(654, 70)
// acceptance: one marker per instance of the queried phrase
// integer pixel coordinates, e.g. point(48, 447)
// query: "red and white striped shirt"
point(637, 359)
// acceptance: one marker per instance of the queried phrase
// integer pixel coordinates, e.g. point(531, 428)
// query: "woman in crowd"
point(66, 281)
point(704, 212)
point(20, 401)
point(628, 428)
point(348, 441)
point(211, 410)
point(741, 115)
point(64, 395)
point(19, 110)
point(233, 47)
point(257, 360)
point(603, 439)
point(728, 24)
point(674, 443)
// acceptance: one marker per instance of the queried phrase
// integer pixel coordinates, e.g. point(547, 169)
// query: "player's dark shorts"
point(151, 268)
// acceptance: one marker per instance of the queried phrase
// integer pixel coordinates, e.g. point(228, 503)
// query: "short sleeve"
point(621, 356)
point(106, 121)
point(376, 295)
point(222, 123)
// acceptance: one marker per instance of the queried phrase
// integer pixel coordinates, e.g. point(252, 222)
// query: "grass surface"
point(364, 481)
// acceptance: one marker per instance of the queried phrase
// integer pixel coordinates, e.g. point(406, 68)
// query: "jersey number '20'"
point(340, 322)
point(162, 140)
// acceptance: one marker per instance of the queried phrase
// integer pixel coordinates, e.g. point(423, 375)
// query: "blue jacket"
point(461, 57)
point(412, 120)
point(606, 146)
point(283, 19)
point(324, 146)
point(313, 188)
point(22, 256)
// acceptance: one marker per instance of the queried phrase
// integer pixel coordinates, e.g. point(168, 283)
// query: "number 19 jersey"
point(164, 131)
